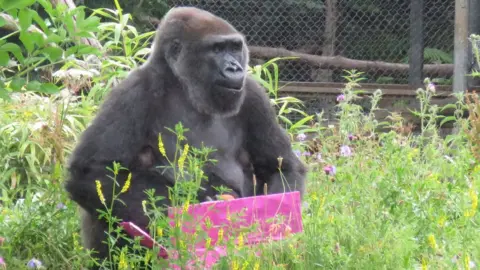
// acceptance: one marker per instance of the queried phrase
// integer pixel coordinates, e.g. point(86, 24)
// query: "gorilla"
point(196, 74)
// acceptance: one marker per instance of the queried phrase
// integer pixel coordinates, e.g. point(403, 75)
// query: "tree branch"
point(340, 62)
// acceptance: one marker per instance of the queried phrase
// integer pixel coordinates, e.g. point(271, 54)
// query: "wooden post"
point(461, 46)
point(415, 76)
point(473, 28)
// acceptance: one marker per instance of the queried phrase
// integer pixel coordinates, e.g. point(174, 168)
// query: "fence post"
point(415, 76)
point(460, 46)
point(473, 28)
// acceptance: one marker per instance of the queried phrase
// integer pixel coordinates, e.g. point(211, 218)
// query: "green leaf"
point(34, 86)
point(49, 88)
point(2, 22)
point(15, 4)
point(40, 21)
point(118, 30)
point(448, 119)
point(4, 94)
point(38, 38)
point(27, 41)
point(4, 59)
point(91, 24)
point(25, 19)
point(53, 53)
point(14, 49)
point(17, 83)
point(46, 5)
point(69, 25)
point(87, 49)
point(54, 38)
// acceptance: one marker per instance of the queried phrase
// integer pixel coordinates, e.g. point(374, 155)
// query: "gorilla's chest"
point(224, 135)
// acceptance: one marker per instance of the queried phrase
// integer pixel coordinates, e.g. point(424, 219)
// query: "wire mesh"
point(372, 30)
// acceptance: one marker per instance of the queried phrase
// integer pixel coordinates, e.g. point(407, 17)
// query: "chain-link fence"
point(371, 30)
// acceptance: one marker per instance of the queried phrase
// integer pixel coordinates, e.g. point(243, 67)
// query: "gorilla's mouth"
point(230, 89)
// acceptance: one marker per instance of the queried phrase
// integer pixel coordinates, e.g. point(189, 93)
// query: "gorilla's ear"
point(173, 50)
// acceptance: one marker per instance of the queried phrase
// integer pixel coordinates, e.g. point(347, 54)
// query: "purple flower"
point(3, 265)
point(345, 151)
point(34, 264)
point(297, 153)
point(306, 154)
point(301, 137)
point(351, 137)
point(330, 170)
point(340, 98)
point(61, 206)
point(431, 87)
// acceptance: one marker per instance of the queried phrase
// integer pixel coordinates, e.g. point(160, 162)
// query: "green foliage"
point(394, 201)
point(286, 105)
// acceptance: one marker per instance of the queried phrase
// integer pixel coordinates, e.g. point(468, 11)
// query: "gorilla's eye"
point(237, 46)
point(218, 47)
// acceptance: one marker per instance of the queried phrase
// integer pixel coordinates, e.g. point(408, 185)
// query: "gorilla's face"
point(213, 70)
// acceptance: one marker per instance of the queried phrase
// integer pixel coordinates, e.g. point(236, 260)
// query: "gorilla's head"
point(207, 55)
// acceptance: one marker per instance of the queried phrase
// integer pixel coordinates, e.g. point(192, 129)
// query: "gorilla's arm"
point(129, 204)
point(266, 142)
point(118, 133)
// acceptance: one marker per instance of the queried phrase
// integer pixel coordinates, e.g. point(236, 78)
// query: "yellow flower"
point(161, 146)
point(441, 221)
point(127, 183)
point(208, 223)
point(160, 232)
point(208, 243)
point(122, 264)
point(235, 265)
point(186, 206)
point(99, 191)
point(474, 204)
point(240, 240)
point(424, 264)
point(474, 198)
point(183, 157)
point(467, 262)
point(220, 235)
point(412, 154)
point(148, 256)
point(432, 242)
point(256, 266)
point(183, 246)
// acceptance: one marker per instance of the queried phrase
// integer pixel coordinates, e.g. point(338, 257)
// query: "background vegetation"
point(375, 200)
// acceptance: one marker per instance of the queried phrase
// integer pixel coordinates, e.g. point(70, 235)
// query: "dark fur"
point(178, 84)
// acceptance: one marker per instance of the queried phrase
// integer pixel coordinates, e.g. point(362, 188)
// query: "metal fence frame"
point(331, 36)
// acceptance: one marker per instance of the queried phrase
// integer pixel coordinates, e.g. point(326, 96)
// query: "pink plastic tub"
point(269, 217)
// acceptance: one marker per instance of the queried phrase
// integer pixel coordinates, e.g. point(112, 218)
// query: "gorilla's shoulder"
point(256, 93)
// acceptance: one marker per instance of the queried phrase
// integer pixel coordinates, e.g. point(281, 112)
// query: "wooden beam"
point(335, 88)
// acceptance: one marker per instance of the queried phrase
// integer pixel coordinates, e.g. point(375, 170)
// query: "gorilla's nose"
point(233, 75)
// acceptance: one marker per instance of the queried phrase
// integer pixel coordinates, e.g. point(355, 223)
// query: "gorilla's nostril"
point(233, 68)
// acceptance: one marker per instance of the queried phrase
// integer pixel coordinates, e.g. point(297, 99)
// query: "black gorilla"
point(196, 75)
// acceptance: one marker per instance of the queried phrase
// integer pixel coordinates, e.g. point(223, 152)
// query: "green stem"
point(9, 35)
